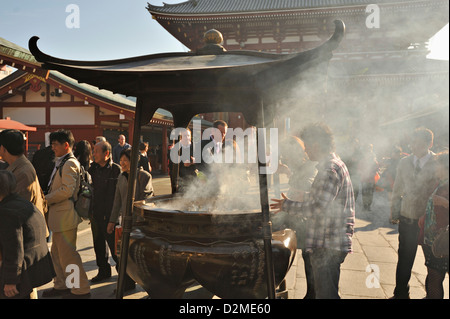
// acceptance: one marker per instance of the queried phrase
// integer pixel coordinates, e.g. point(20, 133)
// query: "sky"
point(107, 29)
point(111, 29)
point(439, 45)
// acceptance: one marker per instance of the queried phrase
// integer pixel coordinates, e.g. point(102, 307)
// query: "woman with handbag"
point(431, 225)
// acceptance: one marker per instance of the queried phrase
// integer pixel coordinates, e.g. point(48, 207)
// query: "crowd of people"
point(37, 206)
point(36, 200)
point(417, 188)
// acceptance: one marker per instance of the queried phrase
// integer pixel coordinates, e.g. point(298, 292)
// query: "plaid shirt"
point(329, 208)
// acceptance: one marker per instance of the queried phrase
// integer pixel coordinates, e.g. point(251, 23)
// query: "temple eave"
point(163, 12)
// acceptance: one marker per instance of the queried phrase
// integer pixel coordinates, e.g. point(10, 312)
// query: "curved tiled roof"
point(105, 95)
point(13, 50)
point(94, 91)
point(198, 7)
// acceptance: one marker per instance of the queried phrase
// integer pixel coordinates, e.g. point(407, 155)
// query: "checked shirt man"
point(329, 210)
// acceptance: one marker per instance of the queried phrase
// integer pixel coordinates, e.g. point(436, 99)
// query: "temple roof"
point(279, 22)
point(104, 95)
point(18, 53)
point(15, 51)
point(199, 7)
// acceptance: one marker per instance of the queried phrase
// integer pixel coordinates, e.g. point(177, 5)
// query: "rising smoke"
point(367, 93)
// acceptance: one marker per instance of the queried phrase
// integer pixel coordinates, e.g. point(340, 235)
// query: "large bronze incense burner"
point(170, 249)
point(197, 245)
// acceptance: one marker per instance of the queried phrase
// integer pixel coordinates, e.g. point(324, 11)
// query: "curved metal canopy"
point(205, 81)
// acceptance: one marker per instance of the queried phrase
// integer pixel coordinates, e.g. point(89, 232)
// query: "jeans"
point(326, 266)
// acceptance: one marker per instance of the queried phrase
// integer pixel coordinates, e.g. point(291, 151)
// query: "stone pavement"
point(368, 273)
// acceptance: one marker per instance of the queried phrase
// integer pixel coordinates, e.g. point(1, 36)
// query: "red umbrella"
point(7, 123)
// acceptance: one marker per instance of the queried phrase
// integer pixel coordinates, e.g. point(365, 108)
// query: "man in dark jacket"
point(44, 162)
point(12, 149)
point(25, 261)
point(104, 173)
point(122, 145)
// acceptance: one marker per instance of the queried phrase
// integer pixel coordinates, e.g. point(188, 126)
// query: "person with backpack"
point(63, 219)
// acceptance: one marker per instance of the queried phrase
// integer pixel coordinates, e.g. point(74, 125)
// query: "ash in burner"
point(225, 188)
point(221, 204)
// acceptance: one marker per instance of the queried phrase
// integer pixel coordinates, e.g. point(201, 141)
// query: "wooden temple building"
point(379, 82)
point(49, 100)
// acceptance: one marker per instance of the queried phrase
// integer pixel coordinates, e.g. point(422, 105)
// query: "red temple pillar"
point(130, 132)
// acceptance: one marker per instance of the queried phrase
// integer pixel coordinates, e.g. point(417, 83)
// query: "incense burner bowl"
point(170, 249)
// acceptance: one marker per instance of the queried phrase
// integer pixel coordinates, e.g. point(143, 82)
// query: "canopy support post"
point(264, 197)
point(128, 217)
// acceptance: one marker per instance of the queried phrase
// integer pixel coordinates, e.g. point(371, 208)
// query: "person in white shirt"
point(414, 183)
